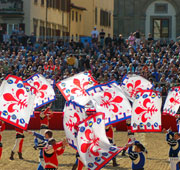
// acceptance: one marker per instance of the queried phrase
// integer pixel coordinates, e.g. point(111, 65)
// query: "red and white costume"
point(131, 137)
point(44, 120)
point(50, 157)
point(2, 128)
point(110, 136)
point(19, 140)
point(110, 133)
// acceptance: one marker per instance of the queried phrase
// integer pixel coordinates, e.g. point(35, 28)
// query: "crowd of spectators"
point(109, 58)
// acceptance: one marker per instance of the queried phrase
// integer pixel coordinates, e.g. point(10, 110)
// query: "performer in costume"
point(2, 128)
point(173, 139)
point(50, 153)
point(44, 119)
point(78, 164)
point(18, 143)
point(137, 156)
point(130, 134)
point(110, 136)
point(178, 123)
point(40, 145)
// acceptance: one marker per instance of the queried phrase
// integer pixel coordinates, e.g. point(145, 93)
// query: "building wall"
point(10, 20)
point(77, 26)
point(27, 16)
point(57, 19)
point(35, 17)
point(133, 16)
point(89, 14)
point(171, 13)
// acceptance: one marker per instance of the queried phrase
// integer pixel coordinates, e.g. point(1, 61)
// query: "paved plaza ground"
point(156, 159)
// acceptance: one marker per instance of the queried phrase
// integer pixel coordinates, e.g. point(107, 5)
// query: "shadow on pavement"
point(30, 161)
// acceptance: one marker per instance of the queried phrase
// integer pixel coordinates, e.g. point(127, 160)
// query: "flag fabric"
point(110, 99)
point(16, 102)
point(93, 146)
point(172, 103)
point(45, 89)
point(73, 114)
point(146, 112)
point(73, 88)
point(132, 83)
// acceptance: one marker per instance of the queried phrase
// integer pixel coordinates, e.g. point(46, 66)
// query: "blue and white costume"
point(40, 146)
point(138, 158)
point(173, 151)
point(178, 124)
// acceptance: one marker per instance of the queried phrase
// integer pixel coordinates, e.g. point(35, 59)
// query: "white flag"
point(132, 83)
point(45, 89)
point(146, 112)
point(73, 88)
point(16, 102)
point(73, 114)
point(109, 99)
point(172, 103)
point(93, 146)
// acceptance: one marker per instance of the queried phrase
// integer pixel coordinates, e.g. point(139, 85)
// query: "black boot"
point(114, 162)
point(123, 153)
point(12, 156)
point(74, 167)
point(20, 155)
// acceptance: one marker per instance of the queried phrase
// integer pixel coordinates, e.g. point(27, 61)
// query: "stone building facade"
point(161, 18)
point(97, 13)
point(43, 17)
point(54, 18)
point(77, 21)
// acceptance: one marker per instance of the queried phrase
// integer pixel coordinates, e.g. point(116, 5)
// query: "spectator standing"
point(108, 40)
point(131, 39)
point(121, 41)
point(20, 34)
point(150, 38)
point(32, 39)
point(138, 37)
point(6, 37)
point(15, 30)
point(94, 35)
point(102, 36)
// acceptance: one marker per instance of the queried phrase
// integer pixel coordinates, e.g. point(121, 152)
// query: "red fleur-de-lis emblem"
point(41, 89)
point(134, 87)
point(146, 110)
point(175, 100)
point(91, 142)
point(72, 121)
point(19, 99)
point(109, 100)
point(79, 87)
